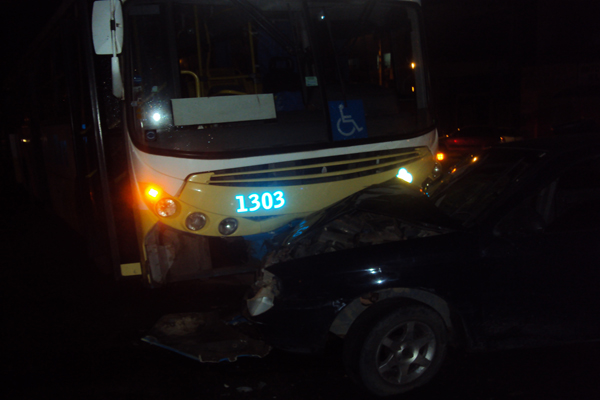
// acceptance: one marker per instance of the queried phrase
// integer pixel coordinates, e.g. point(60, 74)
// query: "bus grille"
point(319, 170)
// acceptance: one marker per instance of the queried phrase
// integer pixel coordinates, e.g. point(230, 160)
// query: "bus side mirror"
point(107, 34)
point(107, 27)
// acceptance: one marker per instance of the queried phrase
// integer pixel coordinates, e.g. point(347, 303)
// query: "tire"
point(403, 350)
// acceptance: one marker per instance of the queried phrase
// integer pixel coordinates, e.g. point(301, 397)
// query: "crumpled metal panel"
point(354, 229)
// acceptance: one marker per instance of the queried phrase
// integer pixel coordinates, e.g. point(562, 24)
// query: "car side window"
point(525, 219)
point(577, 198)
point(569, 203)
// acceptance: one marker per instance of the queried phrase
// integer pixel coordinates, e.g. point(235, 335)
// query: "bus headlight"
point(228, 226)
point(405, 175)
point(166, 207)
point(195, 221)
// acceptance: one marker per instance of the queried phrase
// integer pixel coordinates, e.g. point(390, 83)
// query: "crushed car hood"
point(382, 213)
point(398, 200)
point(393, 199)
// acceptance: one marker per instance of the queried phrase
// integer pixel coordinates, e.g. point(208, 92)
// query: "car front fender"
point(356, 307)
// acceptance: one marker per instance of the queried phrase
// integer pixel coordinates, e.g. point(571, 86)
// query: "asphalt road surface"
point(69, 332)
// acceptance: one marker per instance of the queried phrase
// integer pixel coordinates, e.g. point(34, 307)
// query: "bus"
point(181, 136)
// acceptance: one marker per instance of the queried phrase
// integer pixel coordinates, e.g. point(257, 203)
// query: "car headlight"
point(264, 299)
point(262, 302)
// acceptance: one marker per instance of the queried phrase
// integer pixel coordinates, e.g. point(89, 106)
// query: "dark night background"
point(532, 65)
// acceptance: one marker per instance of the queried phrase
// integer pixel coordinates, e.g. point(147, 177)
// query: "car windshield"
point(472, 187)
point(216, 76)
point(464, 195)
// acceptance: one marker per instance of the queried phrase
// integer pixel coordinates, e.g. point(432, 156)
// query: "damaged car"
point(501, 253)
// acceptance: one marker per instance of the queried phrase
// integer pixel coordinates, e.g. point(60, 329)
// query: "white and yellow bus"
point(240, 117)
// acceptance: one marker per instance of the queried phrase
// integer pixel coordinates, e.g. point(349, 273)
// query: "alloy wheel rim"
point(405, 352)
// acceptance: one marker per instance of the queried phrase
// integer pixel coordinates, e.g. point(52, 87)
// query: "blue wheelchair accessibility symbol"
point(347, 120)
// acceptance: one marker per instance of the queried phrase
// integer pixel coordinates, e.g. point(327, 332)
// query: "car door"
point(572, 239)
point(540, 277)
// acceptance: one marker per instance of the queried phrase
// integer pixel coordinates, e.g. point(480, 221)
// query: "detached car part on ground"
point(500, 254)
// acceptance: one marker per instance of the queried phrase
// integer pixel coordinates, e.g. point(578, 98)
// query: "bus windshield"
point(218, 78)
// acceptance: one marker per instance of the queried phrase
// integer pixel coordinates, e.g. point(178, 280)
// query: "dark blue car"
point(501, 253)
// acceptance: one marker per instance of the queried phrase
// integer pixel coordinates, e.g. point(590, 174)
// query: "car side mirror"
point(522, 221)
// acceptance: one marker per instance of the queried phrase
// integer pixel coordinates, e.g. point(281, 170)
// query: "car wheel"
point(402, 351)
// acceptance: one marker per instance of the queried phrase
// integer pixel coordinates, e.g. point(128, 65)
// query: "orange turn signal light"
point(440, 156)
point(152, 193)
point(158, 200)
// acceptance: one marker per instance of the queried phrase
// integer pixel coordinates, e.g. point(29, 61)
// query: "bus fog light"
point(228, 226)
point(166, 207)
point(195, 221)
